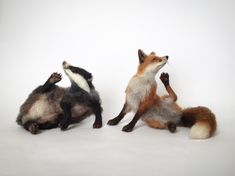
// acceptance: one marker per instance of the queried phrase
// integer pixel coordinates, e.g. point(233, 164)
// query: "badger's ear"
point(141, 55)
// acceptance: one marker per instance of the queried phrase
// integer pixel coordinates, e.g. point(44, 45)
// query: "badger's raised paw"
point(33, 128)
point(165, 78)
point(55, 77)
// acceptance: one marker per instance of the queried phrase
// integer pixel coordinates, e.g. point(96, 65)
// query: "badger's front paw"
point(63, 125)
point(165, 78)
point(97, 125)
point(55, 77)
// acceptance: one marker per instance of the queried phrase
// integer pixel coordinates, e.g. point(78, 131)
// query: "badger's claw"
point(55, 77)
point(33, 128)
point(63, 125)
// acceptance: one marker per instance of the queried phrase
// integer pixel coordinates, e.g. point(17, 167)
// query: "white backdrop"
point(103, 37)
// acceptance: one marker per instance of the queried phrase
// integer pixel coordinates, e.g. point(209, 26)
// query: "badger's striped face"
point(78, 75)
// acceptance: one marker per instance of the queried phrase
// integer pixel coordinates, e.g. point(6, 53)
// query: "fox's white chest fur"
point(138, 88)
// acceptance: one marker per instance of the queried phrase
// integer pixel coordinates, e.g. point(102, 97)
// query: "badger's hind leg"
point(31, 126)
point(50, 83)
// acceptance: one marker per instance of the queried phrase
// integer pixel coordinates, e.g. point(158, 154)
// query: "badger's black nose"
point(64, 63)
point(167, 57)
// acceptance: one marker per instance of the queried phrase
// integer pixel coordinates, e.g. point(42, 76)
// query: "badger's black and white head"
point(78, 76)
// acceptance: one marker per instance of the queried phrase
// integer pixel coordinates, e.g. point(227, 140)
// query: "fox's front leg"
point(143, 108)
point(165, 80)
point(120, 116)
point(129, 127)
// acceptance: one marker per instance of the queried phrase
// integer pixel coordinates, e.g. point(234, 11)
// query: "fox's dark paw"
point(165, 78)
point(55, 77)
point(63, 125)
point(97, 125)
point(112, 122)
point(33, 128)
point(127, 128)
point(171, 127)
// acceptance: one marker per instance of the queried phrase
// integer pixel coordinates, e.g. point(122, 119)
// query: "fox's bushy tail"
point(201, 120)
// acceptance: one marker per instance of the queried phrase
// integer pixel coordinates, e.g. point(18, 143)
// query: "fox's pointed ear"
point(141, 55)
point(153, 53)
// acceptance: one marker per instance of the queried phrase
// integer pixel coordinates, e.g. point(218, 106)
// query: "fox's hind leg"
point(50, 83)
point(172, 95)
point(165, 80)
point(120, 116)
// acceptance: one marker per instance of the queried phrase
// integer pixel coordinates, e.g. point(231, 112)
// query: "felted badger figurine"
point(50, 106)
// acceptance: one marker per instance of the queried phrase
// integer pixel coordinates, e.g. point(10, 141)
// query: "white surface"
point(103, 37)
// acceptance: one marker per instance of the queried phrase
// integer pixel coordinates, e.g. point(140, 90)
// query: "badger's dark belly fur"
point(45, 108)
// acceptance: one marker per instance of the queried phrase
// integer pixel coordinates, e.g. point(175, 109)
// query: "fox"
point(161, 112)
point(50, 106)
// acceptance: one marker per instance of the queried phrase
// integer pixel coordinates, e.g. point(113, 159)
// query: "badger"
point(50, 106)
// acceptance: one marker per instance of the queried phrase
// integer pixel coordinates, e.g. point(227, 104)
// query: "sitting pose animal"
point(50, 106)
point(161, 112)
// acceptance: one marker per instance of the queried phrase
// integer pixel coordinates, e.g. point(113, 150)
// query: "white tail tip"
point(200, 130)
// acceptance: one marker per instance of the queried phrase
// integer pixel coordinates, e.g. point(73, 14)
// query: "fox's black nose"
point(167, 57)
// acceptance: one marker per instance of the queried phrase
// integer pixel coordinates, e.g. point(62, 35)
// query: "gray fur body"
point(45, 107)
point(164, 113)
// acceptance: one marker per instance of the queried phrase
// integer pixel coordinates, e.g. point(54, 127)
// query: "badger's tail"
point(202, 121)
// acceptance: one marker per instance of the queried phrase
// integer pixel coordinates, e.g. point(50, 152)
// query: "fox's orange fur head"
point(150, 63)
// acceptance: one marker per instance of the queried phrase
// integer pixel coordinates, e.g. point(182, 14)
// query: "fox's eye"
point(154, 59)
point(160, 60)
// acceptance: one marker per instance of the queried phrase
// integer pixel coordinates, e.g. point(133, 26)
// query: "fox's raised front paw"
point(55, 77)
point(165, 78)
point(33, 128)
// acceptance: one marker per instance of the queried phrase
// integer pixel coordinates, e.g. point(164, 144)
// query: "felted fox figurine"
point(161, 112)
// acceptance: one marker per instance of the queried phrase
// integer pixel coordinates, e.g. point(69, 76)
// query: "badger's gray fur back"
point(41, 106)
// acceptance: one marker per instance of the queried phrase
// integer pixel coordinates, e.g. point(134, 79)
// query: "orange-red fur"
point(199, 114)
